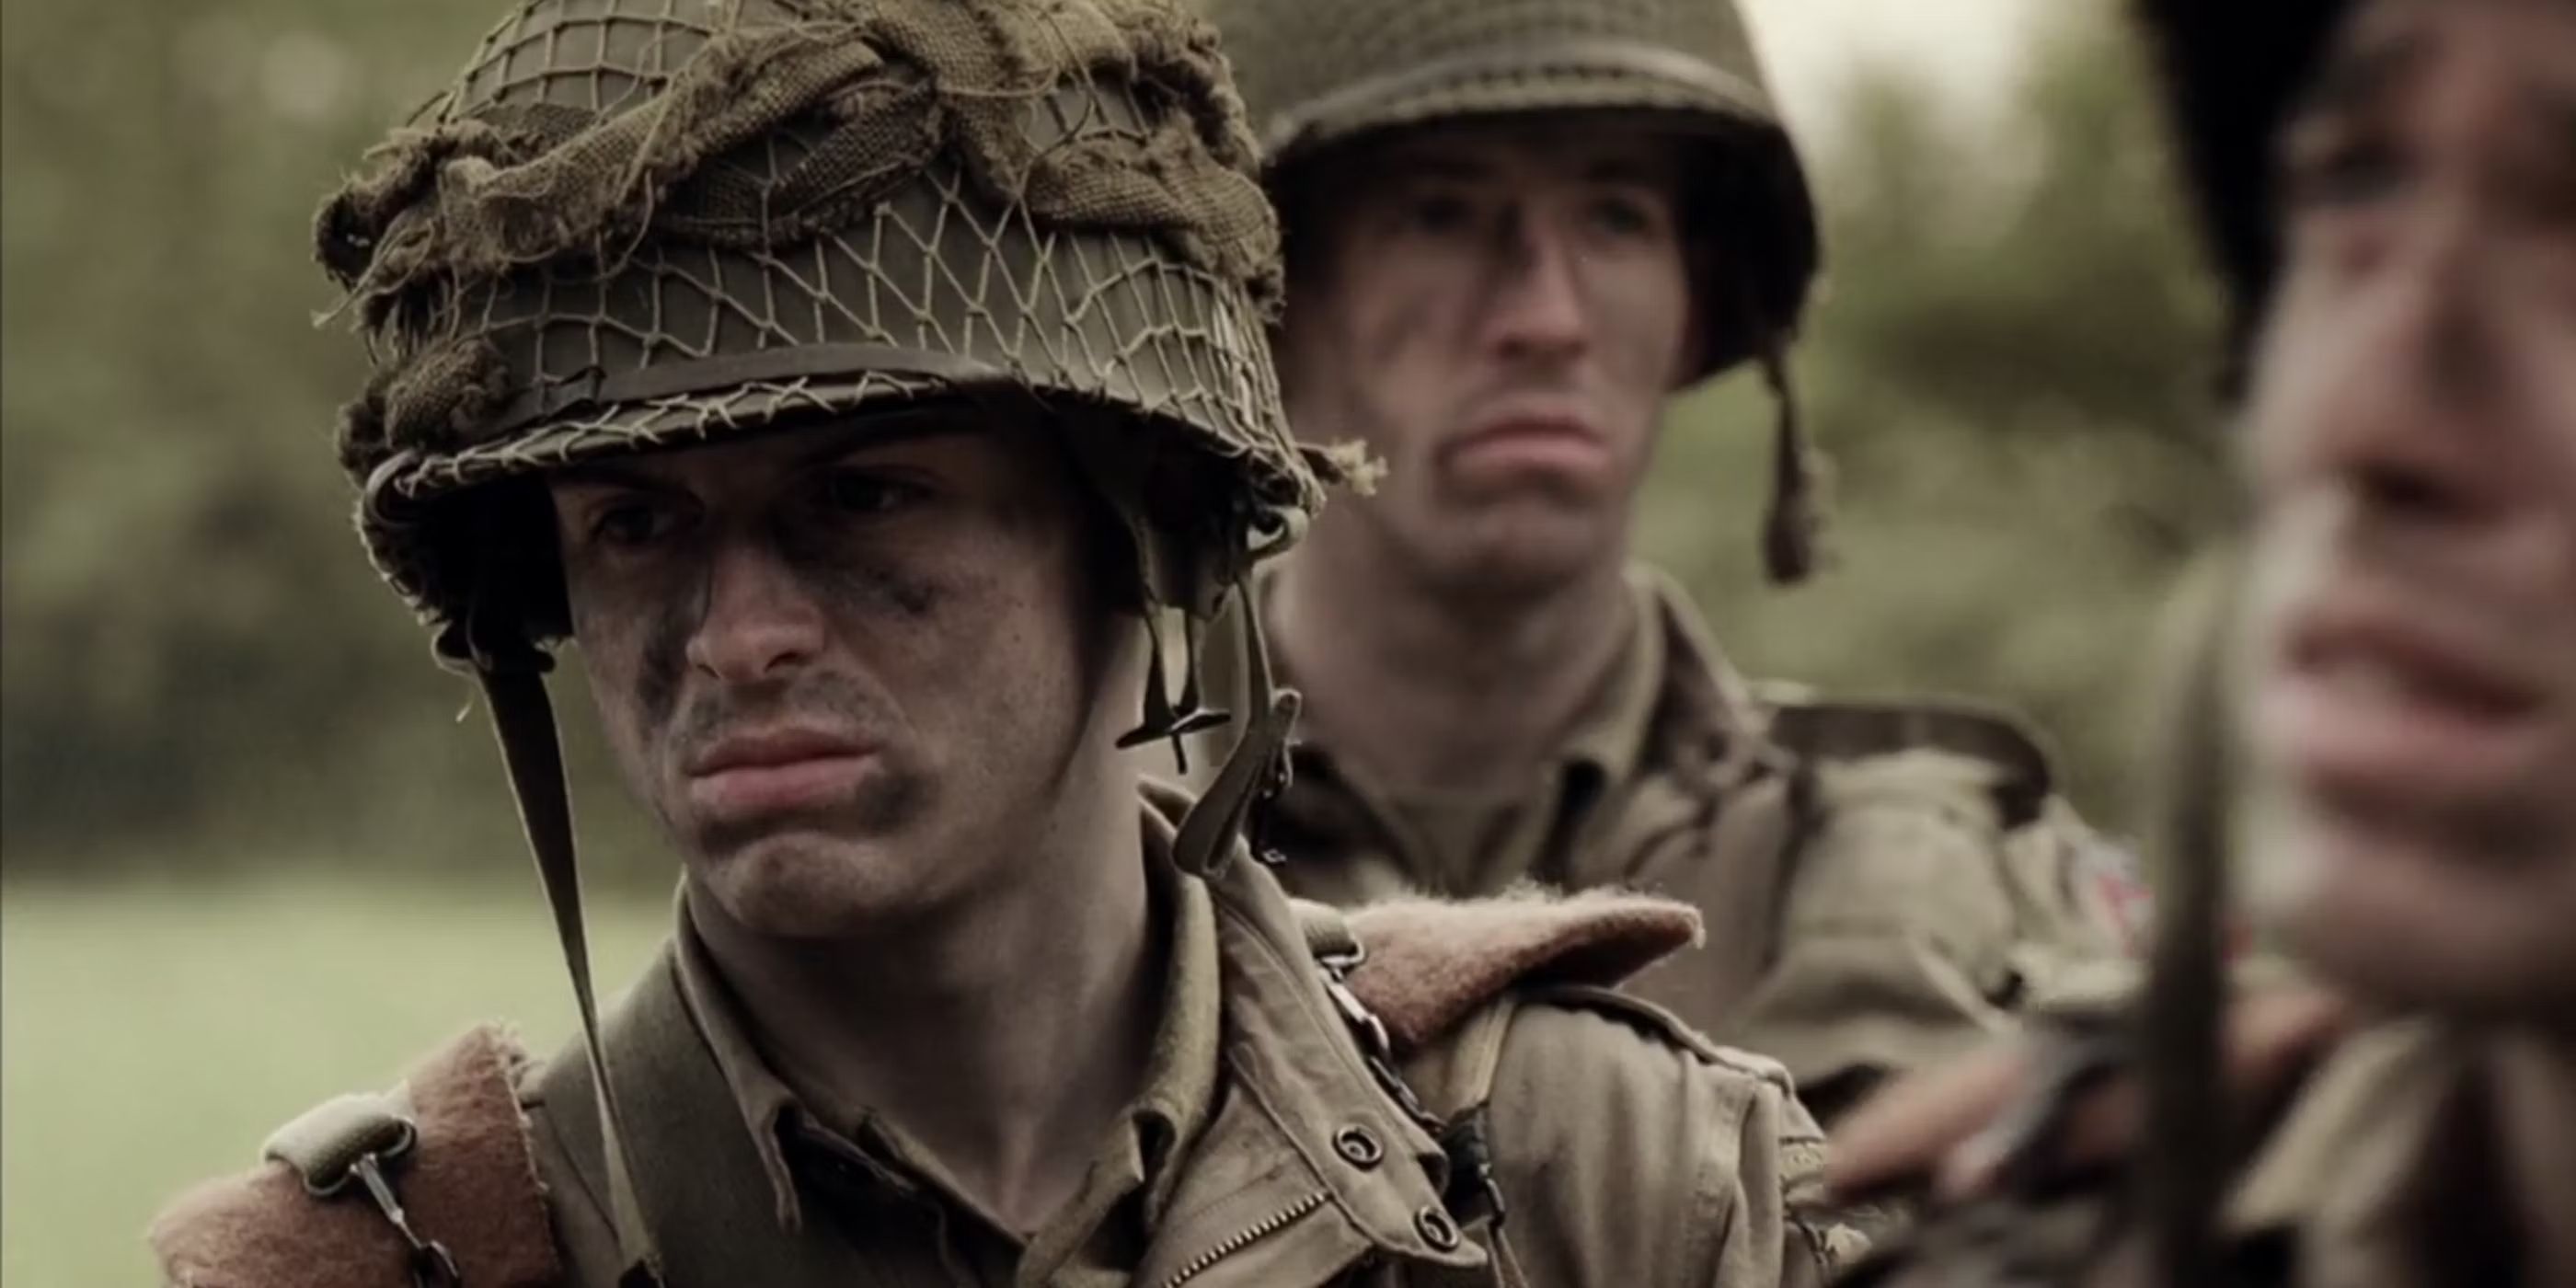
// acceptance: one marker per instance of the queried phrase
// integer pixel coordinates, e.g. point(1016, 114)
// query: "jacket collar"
point(1271, 1187)
point(1170, 1110)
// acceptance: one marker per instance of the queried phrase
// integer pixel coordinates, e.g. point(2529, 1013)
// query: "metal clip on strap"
point(1364, 1022)
point(355, 1138)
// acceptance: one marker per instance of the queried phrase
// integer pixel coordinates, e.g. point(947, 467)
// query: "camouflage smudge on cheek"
point(664, 656)
point(636, 636)
point(874, 592)
point(860, 585)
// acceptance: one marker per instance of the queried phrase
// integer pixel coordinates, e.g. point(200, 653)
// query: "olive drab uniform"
point(1267, 1147)
point(640, 224)
point(1884, 884)
point(2376, 1168)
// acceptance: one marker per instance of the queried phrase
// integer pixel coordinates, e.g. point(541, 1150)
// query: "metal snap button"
point(1437, 1229)
point(1358, 1148)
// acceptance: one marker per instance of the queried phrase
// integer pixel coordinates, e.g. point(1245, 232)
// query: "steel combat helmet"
point(635, 225)
point(2230, 75)
point(1317, 75)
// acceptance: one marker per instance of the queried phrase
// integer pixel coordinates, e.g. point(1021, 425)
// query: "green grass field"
point(154, 1035)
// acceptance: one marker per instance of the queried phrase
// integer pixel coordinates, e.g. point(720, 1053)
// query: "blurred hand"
point(1934, 1124)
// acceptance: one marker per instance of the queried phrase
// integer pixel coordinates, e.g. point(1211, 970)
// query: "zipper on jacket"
point(1245, 1238)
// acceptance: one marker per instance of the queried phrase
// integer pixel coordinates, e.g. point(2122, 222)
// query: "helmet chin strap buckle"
point(1255, 770)
point(1250, 777)
point(1165, 716)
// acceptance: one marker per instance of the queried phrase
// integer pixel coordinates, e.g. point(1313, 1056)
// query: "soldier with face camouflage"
point(2390, 191)
point(854, 383)
point(1516, 230)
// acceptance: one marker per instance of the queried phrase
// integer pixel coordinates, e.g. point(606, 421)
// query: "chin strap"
point(1167, 718)
point(2183, 1161)
point(1793, 525)
point(1255, 769)
point(523, 718)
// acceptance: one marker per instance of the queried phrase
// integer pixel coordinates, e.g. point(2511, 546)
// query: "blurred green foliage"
point(201, 670)
point(155, 1034)
point(2013, 366)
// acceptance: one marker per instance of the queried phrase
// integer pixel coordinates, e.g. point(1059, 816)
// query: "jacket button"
point(1358, 1148)
point(1437, 1229)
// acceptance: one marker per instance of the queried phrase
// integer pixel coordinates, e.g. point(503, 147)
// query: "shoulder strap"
point(1664, 1026)
point(1820, 730)
point(435, 1179)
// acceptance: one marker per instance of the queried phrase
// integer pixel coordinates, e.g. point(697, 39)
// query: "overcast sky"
point(1972, 48)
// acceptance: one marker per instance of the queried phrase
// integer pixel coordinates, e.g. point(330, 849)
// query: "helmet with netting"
point(636, 225)
point(643, 224)
point(1319, 75)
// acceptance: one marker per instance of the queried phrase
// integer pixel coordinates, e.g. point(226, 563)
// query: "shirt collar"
point(1670, 667)
point(1180, 1078)
point(1609, 734)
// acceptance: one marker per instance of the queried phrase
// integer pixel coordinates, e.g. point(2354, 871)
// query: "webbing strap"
point(357, 1139)
point(525, 722)
point(1256, 767)
point(1209, 831)
point(1326, 929)
point(2182, 1167)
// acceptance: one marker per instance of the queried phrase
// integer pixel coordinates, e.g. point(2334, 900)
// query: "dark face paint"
point(865, 590)
point(841, 668)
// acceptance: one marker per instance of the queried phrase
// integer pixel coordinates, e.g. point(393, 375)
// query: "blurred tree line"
point(2013, 364)
point(201, 670)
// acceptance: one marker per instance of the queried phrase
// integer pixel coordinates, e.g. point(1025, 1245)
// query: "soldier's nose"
point(757, 619)
point(2414, 419)
point(1538, 307)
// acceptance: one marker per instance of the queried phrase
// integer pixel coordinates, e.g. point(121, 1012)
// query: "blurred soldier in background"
point(853, 380)
point(1515, 231)
point(2390, 188)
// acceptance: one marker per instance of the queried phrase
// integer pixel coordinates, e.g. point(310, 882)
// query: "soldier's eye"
point(1437, 214)
point(631, 525)
point(2346, 172)
point(863, 492)
point(1624, 216)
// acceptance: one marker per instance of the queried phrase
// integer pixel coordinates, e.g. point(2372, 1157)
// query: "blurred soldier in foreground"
point(2391, 188)
point(1515, 232)
point(853, 381)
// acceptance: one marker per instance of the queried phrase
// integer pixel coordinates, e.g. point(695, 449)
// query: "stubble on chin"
point(1518, 548)
point(817, 873)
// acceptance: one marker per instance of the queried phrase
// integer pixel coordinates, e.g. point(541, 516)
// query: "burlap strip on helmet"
point(475, 198)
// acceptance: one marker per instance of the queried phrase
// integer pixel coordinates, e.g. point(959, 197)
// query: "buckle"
point(1355, 1013)
point(431, 1264)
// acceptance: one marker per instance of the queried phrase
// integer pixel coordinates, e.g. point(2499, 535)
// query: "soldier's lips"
point(1535, 441)
point(2393, 713)
point(784, 771)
